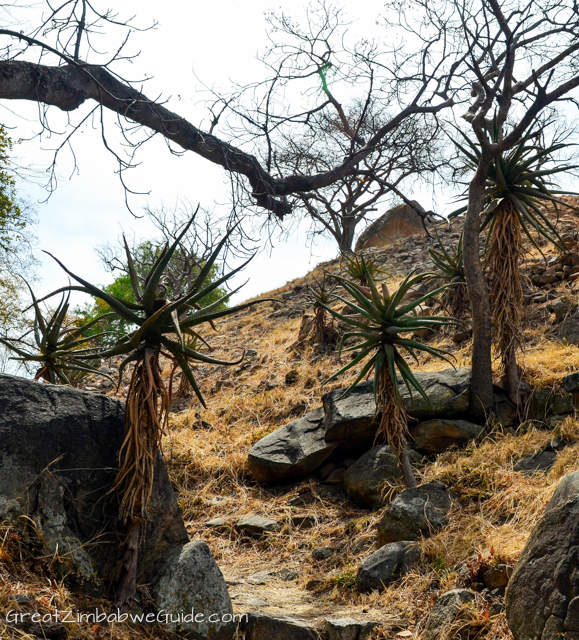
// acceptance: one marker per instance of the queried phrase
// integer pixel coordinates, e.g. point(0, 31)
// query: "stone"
point(254, 525)
point(542, 591)
point(192, 582)
point(327, 469)
point(303, 522)
point(321, 553)
point(561, 404)
point(541, 461)
point(568, 330)
point(444, 618)
point(348, 629)
point(366, 480)
point(401, 221)
point(288, 575)
point(414, 513)
point(497, 577)
point(352, 418)
point(217, 523)
point(571, 383)
point(58, 459)
point(336, 477)
point(436, 436)
point(292, 451)
point(386, 565)
point(262, 627)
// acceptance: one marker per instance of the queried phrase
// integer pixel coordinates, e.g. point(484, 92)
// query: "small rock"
point(327, 469)
point(541, 461)
point(497, 577)
point(263, 577)
point(313, 584)
point(571, 383)
point(415, 513)
point(254, 525)
point(321, 553)
point(386, 565)
point(450, 607)
point(302, 500)
point(556, 444)
point(348, 629)
point(461, 336)
point(217, 523)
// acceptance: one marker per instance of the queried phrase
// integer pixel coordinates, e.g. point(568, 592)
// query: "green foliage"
point(156, 322)
point(449, 266)
point(59, 349)
point(355, 267)
point(379, 327)
point(143, 257)
point(11, 216)
point(522, 177)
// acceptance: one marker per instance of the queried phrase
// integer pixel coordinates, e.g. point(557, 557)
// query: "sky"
point(213, 43)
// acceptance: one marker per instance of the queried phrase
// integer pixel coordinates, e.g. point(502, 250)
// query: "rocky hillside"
point(304, 545)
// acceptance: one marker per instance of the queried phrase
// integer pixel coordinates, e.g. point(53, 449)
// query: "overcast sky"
point(217, 42)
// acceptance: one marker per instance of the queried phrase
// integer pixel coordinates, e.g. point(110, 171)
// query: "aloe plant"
point(61, 350)
point(380, 328)
point(449, 265)
point(355, 267)
point(162, 327)
point(519, 183)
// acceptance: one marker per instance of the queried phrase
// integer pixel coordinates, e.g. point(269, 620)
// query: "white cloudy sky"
point(218, 43)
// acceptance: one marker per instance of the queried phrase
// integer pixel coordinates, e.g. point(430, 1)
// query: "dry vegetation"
point(206, 451)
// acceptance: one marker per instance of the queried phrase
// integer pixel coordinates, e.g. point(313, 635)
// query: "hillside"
point(206, 450)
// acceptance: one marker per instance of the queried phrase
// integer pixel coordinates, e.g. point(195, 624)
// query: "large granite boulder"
point(436, 436)
point(352, 418)
point(58, 459)
point(399, 222)
point(543, 593)
point(386, 565)
point(414, 513)
point(292, 451)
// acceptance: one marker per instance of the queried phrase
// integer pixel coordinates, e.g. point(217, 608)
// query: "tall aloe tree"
point(380, 327)
point(519, 186)
point(60, 349)
point(163, 327)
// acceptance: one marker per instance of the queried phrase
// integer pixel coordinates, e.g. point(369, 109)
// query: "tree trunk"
point(481, 390)
point(127, 585)
point(347, 239)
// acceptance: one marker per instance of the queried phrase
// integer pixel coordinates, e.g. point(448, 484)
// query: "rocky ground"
point(295, 547)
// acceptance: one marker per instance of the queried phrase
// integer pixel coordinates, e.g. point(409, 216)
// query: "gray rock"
point(386, 565)
point(254, 525)
point(366, 479)
point(571, 383)
point(541, 461)
point(303, 522)
point(561, 404)
point(295, 450)
point(568, 330)
point(415, 513)
point(192, 582)
point(444, 618)
point(217, 523)
point(76, 436)
point(436, 436)
point(348, 629)
point(262, 627)
point(541, 595)
point(321, 553)
point(352, 418)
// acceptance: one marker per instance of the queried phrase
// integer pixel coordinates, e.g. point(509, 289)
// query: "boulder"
point(192, 588)
point(386, 565)
point(292, 451)
point(568, 330)
point(414, 513)
point(352, 418)
point(399, 222)
point(367, 478)
point(444, 620)
point(349, 629)
point(436, 436)
point(262, 627)
point(58, 458)
point(541, 461)
point(543, 592)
